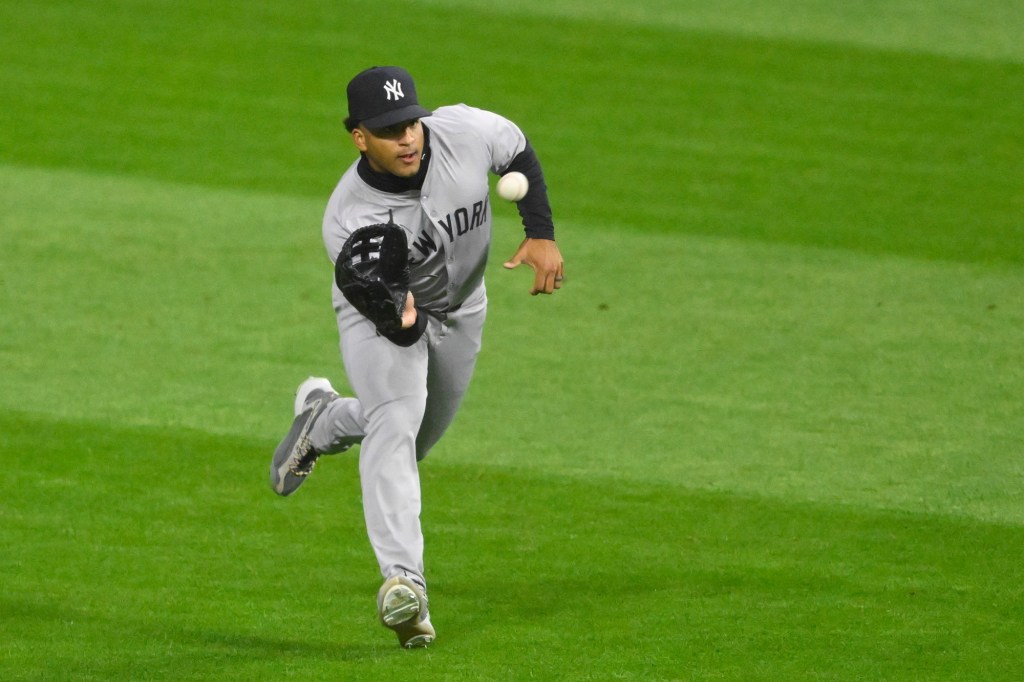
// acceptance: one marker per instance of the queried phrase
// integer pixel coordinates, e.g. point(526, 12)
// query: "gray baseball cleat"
point(295, 456)
point(402, 606)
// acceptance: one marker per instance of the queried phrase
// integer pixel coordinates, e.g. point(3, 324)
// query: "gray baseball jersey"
point(448, 221)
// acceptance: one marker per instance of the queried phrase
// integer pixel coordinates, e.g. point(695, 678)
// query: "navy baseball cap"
point(383, 96)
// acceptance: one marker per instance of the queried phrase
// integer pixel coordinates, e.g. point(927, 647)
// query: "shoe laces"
point(304, 465)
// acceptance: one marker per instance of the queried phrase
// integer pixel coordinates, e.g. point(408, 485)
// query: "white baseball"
point(513, 186)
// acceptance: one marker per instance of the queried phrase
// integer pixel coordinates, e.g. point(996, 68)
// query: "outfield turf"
point(771, 429)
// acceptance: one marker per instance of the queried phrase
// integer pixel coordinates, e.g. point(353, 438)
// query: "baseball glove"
point(372, 272)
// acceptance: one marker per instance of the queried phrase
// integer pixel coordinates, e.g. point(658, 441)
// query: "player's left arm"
point(372, 273)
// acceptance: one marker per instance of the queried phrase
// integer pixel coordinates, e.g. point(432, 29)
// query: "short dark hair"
point(351, 123)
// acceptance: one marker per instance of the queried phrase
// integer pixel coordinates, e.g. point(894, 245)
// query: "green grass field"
point(771, 429)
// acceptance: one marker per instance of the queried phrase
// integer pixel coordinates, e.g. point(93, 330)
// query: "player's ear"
point(359, 139)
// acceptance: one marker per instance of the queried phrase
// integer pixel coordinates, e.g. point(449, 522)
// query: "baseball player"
point(408, 228)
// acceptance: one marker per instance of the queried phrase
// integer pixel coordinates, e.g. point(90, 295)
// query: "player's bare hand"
point(546, 260)
point(409, 314)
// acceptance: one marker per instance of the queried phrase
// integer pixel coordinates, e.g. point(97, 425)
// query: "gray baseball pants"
point(405, 400)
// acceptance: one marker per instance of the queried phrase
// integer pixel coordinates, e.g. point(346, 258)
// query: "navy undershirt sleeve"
point(534, 208)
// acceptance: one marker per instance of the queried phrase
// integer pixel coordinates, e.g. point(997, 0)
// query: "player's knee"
point(402, 415)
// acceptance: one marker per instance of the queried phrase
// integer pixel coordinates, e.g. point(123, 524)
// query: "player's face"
point(397, 149)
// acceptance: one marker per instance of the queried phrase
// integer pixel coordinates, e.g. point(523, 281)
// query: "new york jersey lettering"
point(463, 220)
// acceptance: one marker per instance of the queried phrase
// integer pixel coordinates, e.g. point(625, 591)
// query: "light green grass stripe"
point(712, 363)
point(991, 29)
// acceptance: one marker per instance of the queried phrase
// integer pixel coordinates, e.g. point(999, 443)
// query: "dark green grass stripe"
point(161, 554)
point(642, 129)
point(982, 28)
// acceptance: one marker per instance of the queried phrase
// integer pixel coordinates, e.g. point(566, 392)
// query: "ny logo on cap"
point(394, 87)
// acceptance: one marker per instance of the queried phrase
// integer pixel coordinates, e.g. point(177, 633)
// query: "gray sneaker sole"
point(400, 605)
point(283, 476)
point(403, 608)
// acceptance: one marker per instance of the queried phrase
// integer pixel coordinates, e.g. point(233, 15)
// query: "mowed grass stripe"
point(818, 374)
point(149, 553)
point(989, 29)
point(639, 128)
point(719, 364)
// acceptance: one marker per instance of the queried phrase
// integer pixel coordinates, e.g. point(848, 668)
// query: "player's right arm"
point(512, 151)
point(543, 256)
